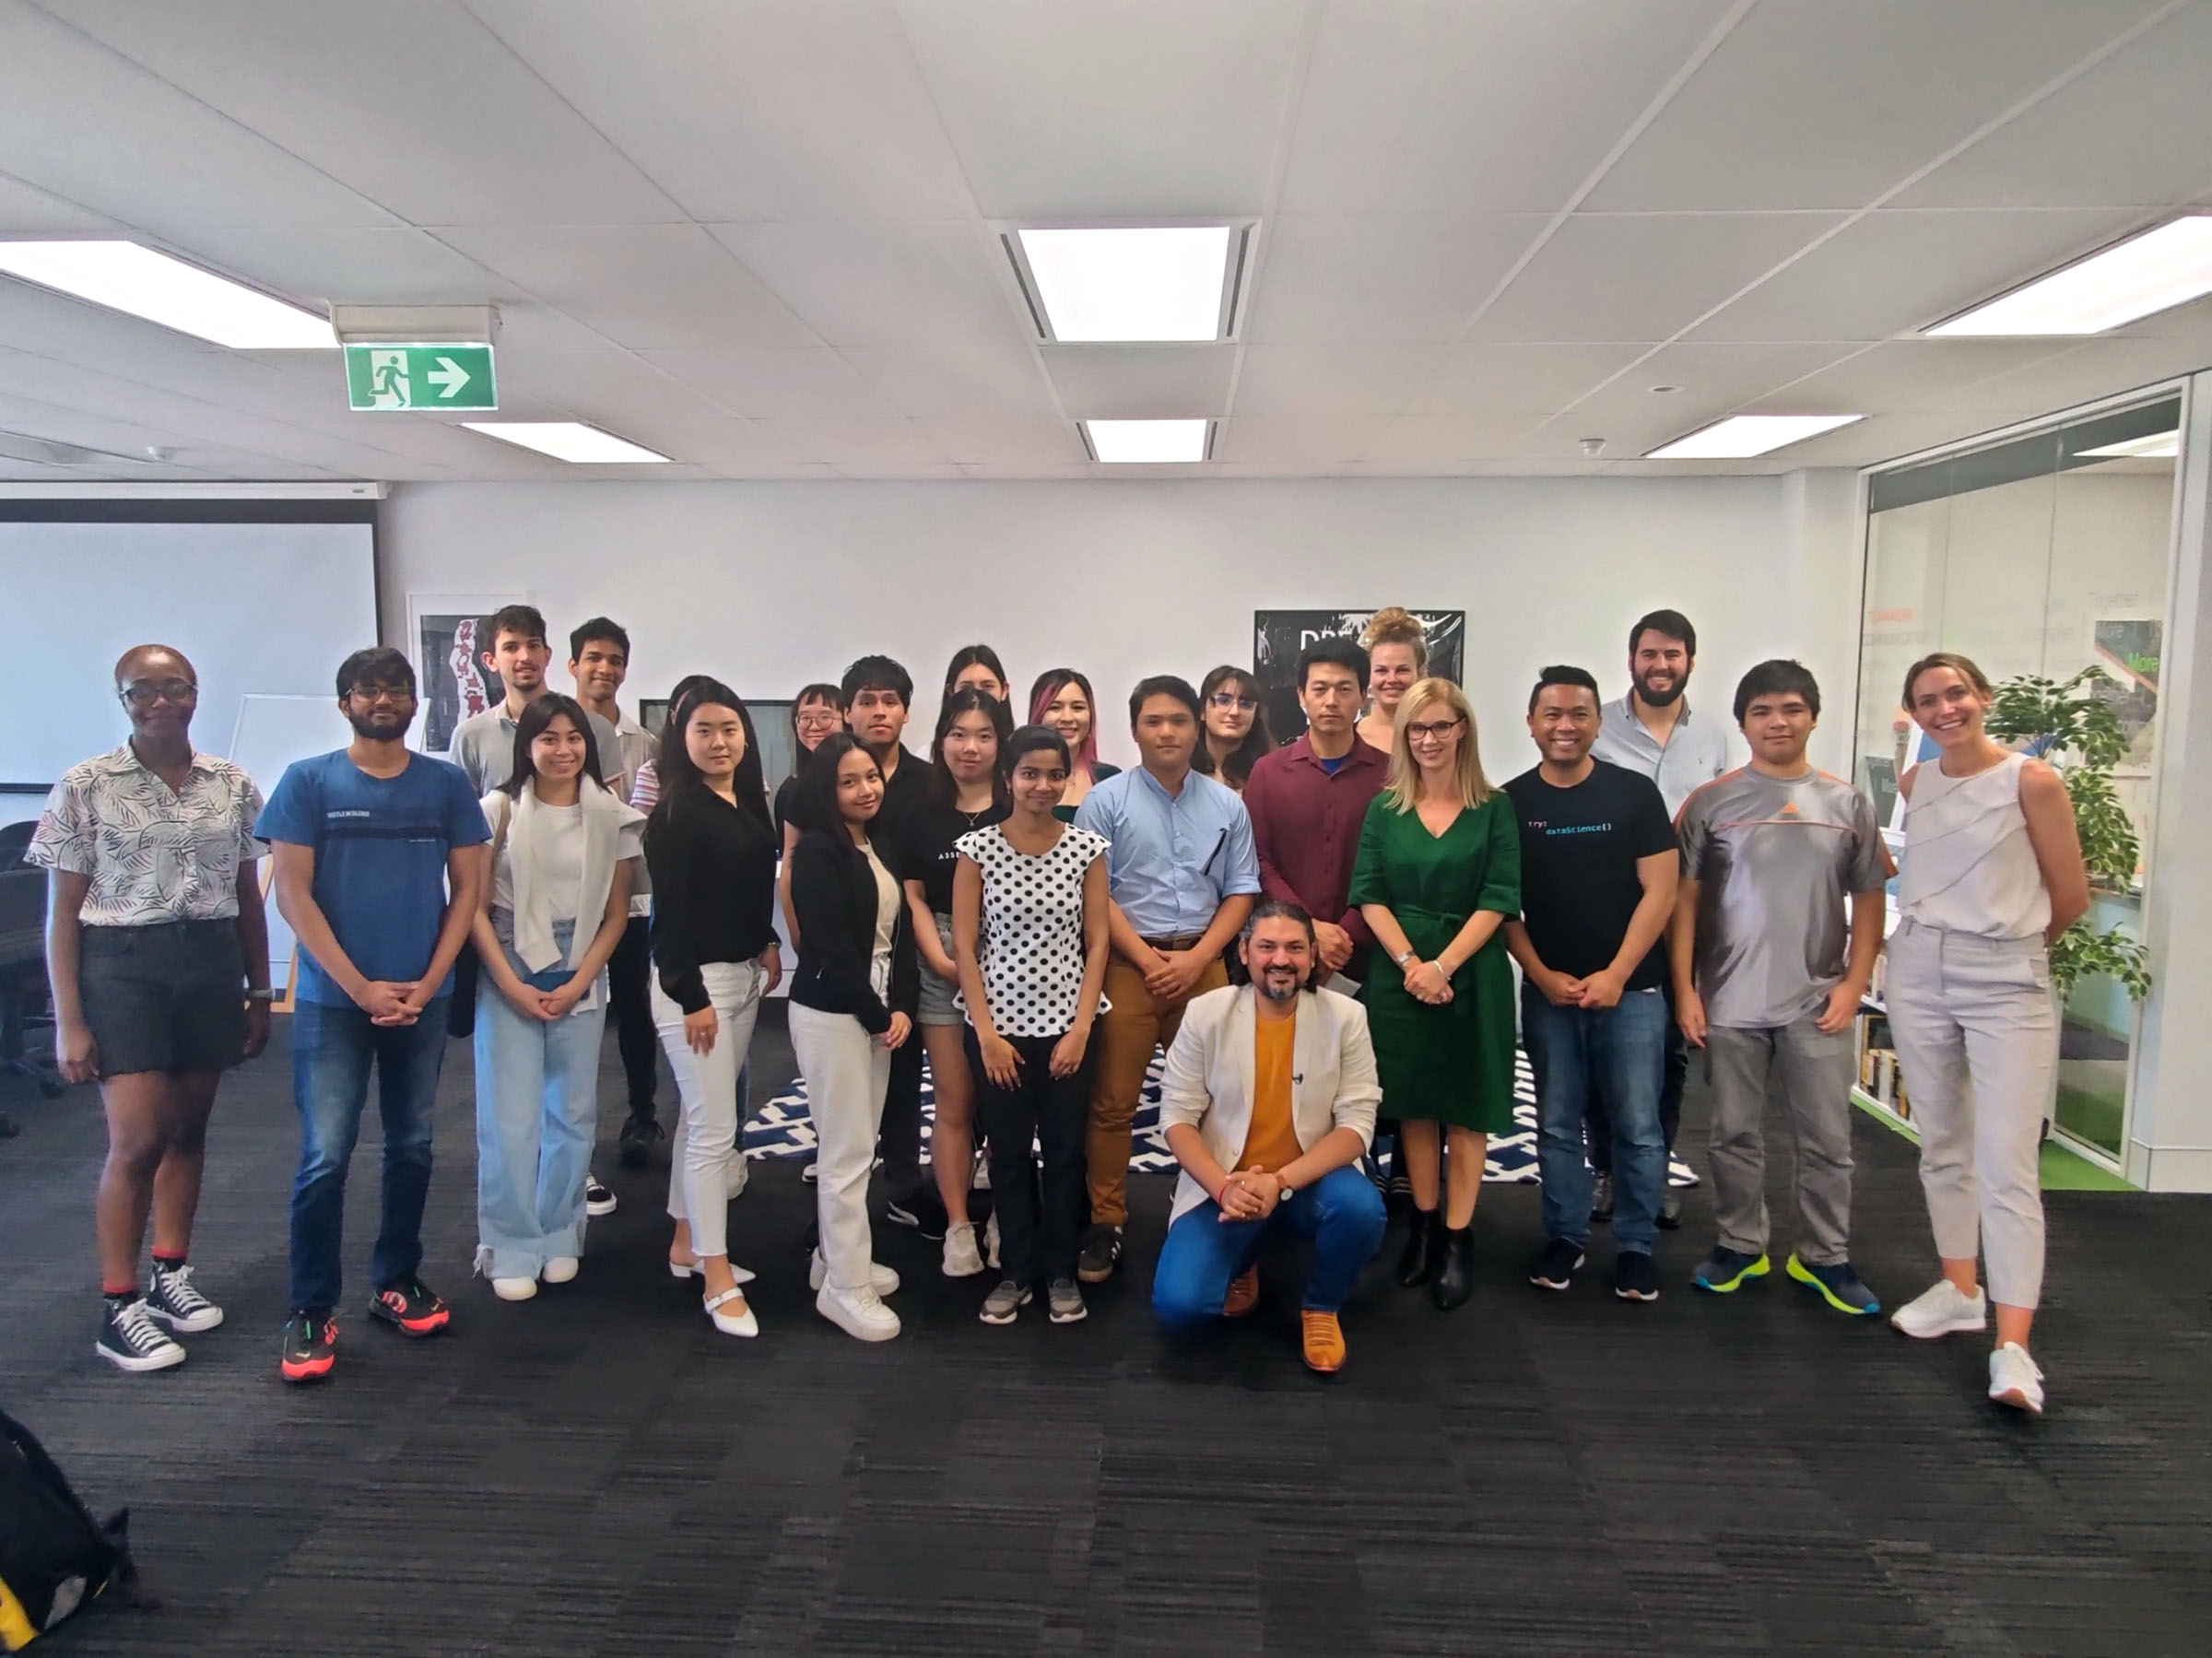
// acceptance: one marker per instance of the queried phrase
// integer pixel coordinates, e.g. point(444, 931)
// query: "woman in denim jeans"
point(564, 852)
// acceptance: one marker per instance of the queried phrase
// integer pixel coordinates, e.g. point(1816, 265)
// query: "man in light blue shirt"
point(1653, 732)
point(1183, 874)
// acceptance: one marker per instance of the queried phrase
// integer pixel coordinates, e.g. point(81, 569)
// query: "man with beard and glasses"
point(1268, 1101)
point(1653, 731)
point(379, 867)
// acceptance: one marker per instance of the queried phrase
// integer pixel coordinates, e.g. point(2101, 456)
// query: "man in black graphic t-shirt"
point(1599, 871)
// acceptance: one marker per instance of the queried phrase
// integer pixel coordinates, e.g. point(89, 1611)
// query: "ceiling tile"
point(1108, 382)
point(919, 281)
point(1437, 106)
point(618, 390)
point(849, 441)
point(1296, 441)
point(957, 380)
point(1003, 440)
point(390, 265)
point(1485, 375)
point(1715, 381)
point(1283, 380)
point(1358, 280)
point(1642, 276)
point(1444, 437)
point(1812, 104)
point(1919, 372)
point(1154, 108)
point(803, 380)
point(28, 211)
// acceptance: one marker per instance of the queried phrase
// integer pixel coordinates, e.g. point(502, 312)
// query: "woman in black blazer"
point(852, 1001)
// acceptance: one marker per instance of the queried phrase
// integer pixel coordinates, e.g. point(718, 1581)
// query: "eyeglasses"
point(823, 717)
point(1225, 700)
point(1436, 732)
point(143, 693)
point(373, 694)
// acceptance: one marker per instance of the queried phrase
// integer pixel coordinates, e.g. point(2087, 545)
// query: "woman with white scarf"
point(564, 856)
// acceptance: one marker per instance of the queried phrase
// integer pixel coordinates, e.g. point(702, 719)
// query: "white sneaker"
point(991, 1241)
point(980, 1179)
point(515, 1289)
point(598, 1200)
point(962, 1260)
point(860, 1313)
point(2015, 1380)
point(560, 1269)
point(737, 1173)
point(1942, 1311)
point(881, 1278)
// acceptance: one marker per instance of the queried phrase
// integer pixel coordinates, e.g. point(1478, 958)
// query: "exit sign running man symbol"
point(419, 377)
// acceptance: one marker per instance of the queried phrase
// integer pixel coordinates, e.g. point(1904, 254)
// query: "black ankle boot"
point(1455, 1280)
point(1424, 1248)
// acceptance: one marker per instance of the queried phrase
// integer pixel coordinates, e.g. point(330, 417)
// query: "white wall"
point(771, 584)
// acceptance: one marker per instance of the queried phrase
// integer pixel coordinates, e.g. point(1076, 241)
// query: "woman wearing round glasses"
point(1236, 731)
point(1437, 874)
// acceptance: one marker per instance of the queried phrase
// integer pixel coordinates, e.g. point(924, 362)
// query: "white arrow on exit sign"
point(448, 376)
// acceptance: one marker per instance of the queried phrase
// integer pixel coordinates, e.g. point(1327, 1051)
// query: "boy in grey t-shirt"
point(1769, 975)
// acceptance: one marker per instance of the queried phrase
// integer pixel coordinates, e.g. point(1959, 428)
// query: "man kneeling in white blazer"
point(1268, 1099)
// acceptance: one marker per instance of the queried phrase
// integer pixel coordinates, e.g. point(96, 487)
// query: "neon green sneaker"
point(1839, 1286)
point(1725, 1270)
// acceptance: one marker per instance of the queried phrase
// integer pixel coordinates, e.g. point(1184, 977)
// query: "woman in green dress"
point(1439, 872)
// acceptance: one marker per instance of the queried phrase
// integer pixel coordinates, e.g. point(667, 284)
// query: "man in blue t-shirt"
point(378, 872)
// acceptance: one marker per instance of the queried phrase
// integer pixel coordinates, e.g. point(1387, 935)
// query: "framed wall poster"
point(1279, 635)
point(449, 661)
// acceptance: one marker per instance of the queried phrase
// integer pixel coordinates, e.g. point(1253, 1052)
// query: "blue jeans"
point(1617, 1055)
point(333, 1047)
point(1341, 1212)
point(537, 1108)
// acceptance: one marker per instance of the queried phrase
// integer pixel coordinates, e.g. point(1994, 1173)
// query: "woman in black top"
point(819, 712)
point(711, 854)
point(966, 793)
point(851, 1003)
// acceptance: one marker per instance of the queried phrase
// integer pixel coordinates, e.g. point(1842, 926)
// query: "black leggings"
point(1037, 1231)
point(628, 987)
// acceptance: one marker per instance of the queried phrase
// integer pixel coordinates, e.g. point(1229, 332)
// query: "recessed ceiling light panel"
point(1145, 284)
point(2157, 445)
point(1741, 436)
point(567, 440)
point(2161, 268)
point(124, 276)
point(1123, 442)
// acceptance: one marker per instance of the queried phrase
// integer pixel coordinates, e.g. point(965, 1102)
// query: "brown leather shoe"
point(1324, 1343)
point(1243, 1293)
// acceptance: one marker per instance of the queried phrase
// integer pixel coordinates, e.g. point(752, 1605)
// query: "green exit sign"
point(420, 377)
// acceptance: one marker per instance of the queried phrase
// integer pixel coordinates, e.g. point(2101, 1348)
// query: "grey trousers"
point(1815, 1073)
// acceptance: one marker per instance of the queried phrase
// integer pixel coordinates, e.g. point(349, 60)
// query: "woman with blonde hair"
point(1398, 654)
point(1438, 874)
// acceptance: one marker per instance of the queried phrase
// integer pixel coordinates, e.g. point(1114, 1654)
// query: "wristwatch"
point(1283, 1188)
point(1403, 956)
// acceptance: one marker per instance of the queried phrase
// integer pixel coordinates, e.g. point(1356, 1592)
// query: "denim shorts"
point(169, 997)
point(937, 1007)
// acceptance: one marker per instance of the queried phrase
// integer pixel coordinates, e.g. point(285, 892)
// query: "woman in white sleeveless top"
point(1992, 873)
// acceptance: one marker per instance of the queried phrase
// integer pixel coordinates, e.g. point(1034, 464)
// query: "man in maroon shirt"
point(1308, 801)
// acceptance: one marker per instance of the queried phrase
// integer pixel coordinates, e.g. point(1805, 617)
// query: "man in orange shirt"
point(1268, 1101)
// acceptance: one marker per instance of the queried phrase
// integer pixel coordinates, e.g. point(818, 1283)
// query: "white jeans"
point(1977, 1034)
point(847, 1071)
point(706, 1119)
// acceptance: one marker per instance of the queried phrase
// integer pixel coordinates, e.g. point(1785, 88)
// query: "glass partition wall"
point(2044, 552)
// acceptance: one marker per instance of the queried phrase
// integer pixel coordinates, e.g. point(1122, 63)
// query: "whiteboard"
point(262, 609)
point(273, 732)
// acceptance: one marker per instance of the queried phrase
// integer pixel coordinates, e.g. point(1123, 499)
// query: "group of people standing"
point(1038, 925)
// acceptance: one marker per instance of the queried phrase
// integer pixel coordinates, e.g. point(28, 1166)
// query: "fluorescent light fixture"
point(2169, 265)
point(1162, 284)
point(1119, 441)
point(2159, 445)
point(566, 441)
point(124, 276)
point(1742, 436)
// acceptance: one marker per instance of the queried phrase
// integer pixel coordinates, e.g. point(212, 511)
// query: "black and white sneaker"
point(919, 1206)
point(597, 1199)
point(1101, 1253)
point(173, 1298)
point(1555, 1268)
point(130, 1340)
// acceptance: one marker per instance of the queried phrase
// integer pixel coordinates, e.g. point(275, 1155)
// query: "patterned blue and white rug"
point(783, 1128)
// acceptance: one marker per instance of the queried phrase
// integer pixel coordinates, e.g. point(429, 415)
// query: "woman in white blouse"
point(564, 856)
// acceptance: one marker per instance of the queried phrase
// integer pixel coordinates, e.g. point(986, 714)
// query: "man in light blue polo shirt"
point(1653, 731)
point(1182, 875)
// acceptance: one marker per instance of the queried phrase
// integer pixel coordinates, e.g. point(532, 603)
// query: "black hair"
point(967, 699)
point(1777, 676)
point(1282, 909)
point(1027, 740)
point(814, 801)
point(1560, 673)
point(1668, 623)
point(535, 719)
point(1163, 684)
point(597, 628)
point(524, 619)
point(672, 761)
point(877, 674)
point(1258, 741)
point(1344, 651)
point(969, 656)
point(380, 666)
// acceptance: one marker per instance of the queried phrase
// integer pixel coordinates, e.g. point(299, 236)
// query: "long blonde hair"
point(1403, 789)
point(1394, 625)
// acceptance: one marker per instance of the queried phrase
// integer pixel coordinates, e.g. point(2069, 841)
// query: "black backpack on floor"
point(55, 1558)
